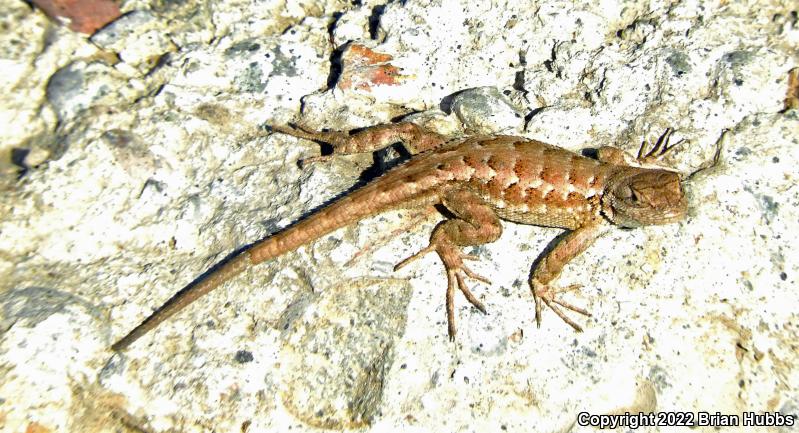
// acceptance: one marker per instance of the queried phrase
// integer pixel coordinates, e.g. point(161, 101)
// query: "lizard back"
point(524, 180)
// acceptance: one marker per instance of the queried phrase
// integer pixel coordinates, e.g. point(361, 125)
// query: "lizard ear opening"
point(623, 191)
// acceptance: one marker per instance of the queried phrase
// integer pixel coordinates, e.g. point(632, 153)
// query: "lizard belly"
point(557, 207)
point(542, 215)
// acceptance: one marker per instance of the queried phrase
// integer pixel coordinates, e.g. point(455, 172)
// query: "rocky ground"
point(134, 159)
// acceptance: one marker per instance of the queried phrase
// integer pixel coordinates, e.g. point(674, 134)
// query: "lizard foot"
point(456, 271)
point(548, 295)
point(661, 147)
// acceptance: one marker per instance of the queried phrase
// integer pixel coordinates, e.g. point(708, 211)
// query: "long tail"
point(186, 297)
point(369, 200)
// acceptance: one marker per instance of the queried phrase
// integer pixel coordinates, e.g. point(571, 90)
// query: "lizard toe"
point(548, 295)
point(413, 257)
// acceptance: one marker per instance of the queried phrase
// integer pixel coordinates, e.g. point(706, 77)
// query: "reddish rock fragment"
point(84, 16)
point(363, 68)
point(35, 427)
point(792, 95)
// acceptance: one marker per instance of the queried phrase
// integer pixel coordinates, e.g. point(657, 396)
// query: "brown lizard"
point(480, 180)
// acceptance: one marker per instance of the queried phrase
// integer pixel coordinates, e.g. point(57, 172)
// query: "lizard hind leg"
point(649, 155)
point(476, 223)
point(413, 137)
point(661, 147)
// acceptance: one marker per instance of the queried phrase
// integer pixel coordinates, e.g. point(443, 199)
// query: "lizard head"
point(644, 197)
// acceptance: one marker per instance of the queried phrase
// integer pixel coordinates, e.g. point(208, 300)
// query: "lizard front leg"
point(476, 223)
point(415, 138)
point(551, 266)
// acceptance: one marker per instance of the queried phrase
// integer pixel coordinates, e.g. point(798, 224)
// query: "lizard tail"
point(369, 200)
point(186, 296)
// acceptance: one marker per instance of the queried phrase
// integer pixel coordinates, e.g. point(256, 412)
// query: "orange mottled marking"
point(550, 195)
point(461, 170)
point(84, 16)
point(594, 181)
point(555, 176)
point(363, 68)
point(505, 176)
point(792, 95)
point(366, 56)
point(528, 171)
point(515, 193)
point(384, 74)
point(585, 176)
point(499, 163)
point(575, 198)
point(481, 170)
point(581, 181)
point(35, 427)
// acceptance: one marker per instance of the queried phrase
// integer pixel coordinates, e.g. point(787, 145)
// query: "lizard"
point(480, 180)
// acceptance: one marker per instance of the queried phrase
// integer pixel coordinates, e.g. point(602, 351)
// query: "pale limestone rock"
point(151, 178)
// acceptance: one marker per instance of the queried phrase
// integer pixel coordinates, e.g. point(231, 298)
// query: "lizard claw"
point(546, 294)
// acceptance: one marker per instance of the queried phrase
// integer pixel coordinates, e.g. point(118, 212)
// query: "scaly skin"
point(481, 180)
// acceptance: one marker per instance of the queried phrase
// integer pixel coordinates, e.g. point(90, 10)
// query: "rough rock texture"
point(133, 161)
